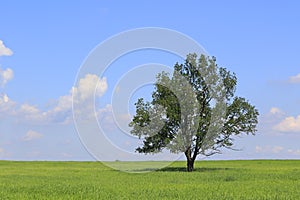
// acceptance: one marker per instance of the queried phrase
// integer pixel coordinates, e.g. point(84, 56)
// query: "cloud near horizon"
point(32, 135)
point(1, 151)
point(267, 149)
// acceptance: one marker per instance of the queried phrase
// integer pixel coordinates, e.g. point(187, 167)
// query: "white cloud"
point(61, 112)
point(5, 98)
point(29, 109)
point(109, 122)
point(4, 153)
point(276, 111)
point(21, 113)
point(268, 120)
point(5, 76)
point(32, 135)
point(294, 79)
point(269, 149)
point(289, 124)
point(277, 149)
point(258, 149)
point(64, 103)
point(6, 105)
point(89, 86)
point(105, 117)
point(295, 152)
point(273, 116)
point(4, 51)
point(30, 113)
point(83, 94)
point(66, 155)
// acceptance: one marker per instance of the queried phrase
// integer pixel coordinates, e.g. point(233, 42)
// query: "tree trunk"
point(190, 165)
point(190, 160)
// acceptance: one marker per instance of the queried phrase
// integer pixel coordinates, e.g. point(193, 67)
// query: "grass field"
point(259, 179)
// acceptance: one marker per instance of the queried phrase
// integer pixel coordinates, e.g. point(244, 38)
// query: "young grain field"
point(257, 179)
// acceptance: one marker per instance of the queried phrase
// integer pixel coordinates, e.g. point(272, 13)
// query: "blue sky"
point(43, 45)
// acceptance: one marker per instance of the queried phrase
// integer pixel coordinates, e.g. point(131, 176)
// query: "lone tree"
point(194, 111)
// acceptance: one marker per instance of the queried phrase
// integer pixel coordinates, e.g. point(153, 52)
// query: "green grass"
point(259, 179)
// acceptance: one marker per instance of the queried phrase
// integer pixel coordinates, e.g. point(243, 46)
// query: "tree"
point(194, 111)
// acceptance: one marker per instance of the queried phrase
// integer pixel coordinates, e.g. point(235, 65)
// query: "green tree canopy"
point(194, 111)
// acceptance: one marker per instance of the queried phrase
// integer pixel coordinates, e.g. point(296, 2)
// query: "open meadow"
point(257, 179)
